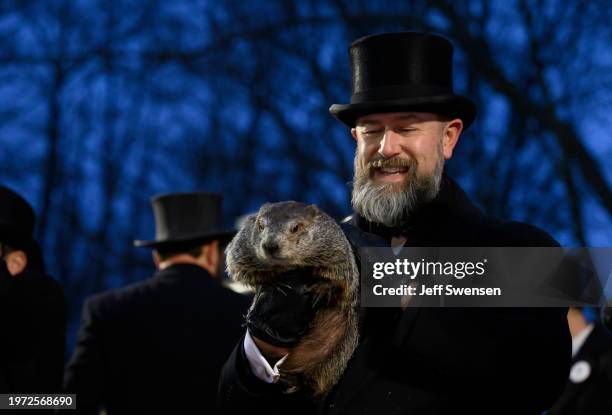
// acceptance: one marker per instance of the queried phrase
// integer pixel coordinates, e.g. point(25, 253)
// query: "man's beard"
point(392, 204)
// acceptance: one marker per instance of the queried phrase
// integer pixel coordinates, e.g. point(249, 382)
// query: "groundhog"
point(289, 236)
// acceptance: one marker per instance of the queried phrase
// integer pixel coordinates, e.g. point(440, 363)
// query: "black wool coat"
point(589, 391)
point(435, 360)
point(156, 346)
point(33, 321)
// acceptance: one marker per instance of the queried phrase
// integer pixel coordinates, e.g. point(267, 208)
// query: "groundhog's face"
point(284, 232)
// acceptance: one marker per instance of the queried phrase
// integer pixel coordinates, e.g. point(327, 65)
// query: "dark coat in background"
point(589, 392)
point(156, 346)
point(435, 360)
point(33, 321)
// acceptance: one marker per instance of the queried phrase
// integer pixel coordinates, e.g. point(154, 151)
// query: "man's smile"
point(392, 170)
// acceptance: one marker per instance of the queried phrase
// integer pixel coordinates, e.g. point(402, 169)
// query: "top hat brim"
point(447, 105)
point(223, 236)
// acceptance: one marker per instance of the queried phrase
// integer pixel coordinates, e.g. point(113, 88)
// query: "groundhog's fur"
point(305, 237)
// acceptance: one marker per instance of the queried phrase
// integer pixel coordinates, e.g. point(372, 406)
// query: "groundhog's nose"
point(270, 247)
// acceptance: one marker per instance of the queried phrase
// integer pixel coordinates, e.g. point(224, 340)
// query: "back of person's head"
point(194, 250)
point(204, 254)
point(17, 244)
point(188, 229)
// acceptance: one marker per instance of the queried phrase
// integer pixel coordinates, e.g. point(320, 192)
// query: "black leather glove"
point(280, 313)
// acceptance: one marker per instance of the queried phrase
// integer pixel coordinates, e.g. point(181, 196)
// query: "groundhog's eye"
point(295, 227)
point(260, 225)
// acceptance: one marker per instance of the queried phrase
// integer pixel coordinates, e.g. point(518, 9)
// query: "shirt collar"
point(579, 339)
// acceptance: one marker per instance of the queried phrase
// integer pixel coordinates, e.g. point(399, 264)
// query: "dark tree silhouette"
point(105, 104)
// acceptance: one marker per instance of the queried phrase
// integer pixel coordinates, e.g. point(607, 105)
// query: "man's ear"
point(211, 256)
point(156, 259)
point(16, 262)
point(207, 251)
point(354, 133)
point(450, 136)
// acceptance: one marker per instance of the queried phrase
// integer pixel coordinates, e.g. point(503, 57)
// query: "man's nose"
point(389, 144)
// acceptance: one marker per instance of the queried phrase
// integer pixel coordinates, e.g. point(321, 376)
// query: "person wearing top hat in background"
point(406, 121)
point(157, 346)
point(589, 386)
point(32, 306)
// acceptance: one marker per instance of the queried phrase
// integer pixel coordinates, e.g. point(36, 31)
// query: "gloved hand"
point(280, 313)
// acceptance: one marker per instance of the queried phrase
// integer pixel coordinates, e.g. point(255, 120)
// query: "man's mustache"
point(382, 162)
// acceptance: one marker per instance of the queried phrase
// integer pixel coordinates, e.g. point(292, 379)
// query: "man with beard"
point(157, 346)
point(388, 187)
point(406, 121)
point(32, 307)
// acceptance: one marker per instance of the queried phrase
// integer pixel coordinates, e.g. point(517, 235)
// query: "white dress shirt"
point(259, 365)
point(579, 339)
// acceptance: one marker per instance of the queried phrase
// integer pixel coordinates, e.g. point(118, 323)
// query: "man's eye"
point(406, 130)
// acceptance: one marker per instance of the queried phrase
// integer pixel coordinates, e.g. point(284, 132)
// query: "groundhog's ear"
point(313, 210)
point(246, 221)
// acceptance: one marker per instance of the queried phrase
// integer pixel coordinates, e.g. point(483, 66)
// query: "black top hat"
point(186, 217)
point(17, 220)
point(402, 72)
